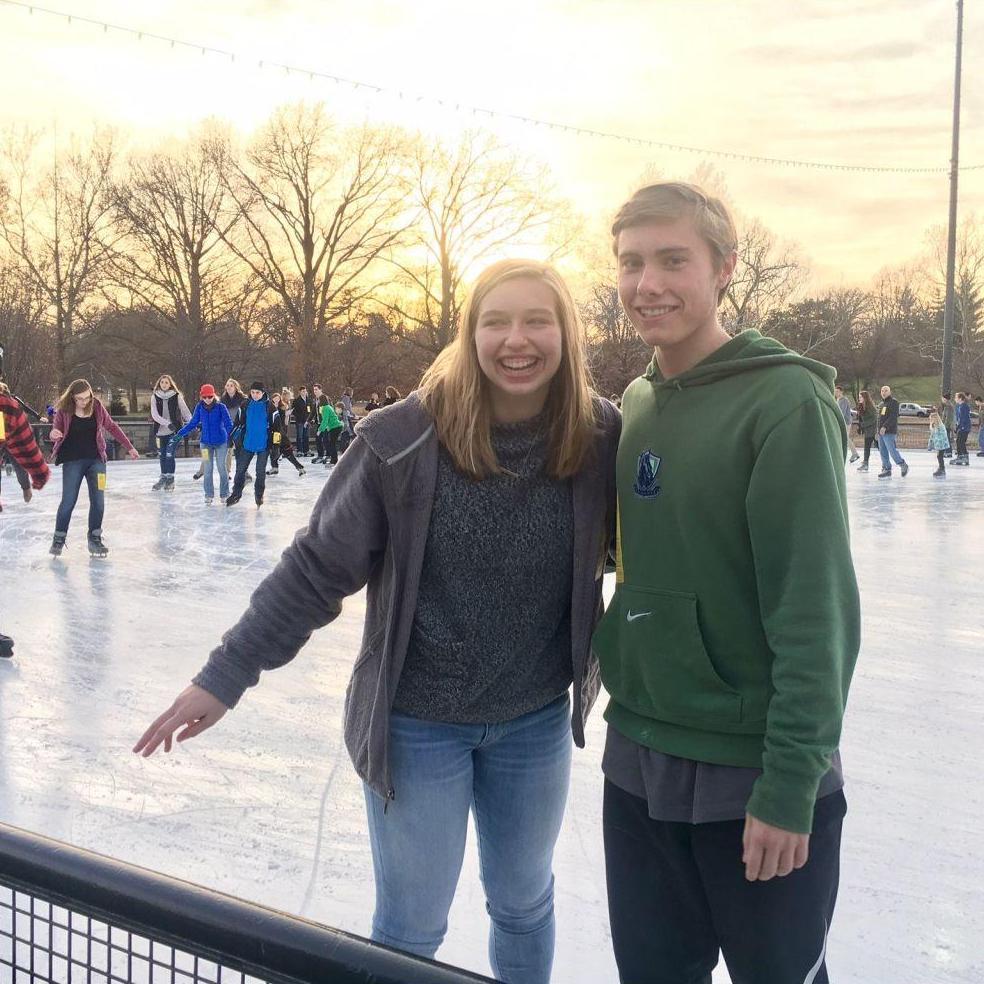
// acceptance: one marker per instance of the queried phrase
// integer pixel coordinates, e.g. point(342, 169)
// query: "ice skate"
point(854, 457)
point(863, 468)
point(28, 494)
point(232, 500)
point(300, 472)
point(939, 473)
point(198, 474)
point(885, 473)
point(259, 502)
point(209, 500)
point(273, 471)
point(57, 544)
point(96, 546)
point(159, 484)
point(169, 483)
point(6, 646)
point(905, 468)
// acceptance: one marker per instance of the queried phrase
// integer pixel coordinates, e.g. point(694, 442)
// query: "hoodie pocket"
point(653, 660)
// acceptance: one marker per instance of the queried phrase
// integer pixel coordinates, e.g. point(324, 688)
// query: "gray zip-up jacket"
point(369, 526)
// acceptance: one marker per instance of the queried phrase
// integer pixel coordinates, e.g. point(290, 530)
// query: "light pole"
point(951, 239)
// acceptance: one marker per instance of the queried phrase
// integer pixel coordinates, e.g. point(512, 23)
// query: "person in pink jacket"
point(80, 448)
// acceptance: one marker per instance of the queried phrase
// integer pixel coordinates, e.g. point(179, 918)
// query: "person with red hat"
point(216, 426)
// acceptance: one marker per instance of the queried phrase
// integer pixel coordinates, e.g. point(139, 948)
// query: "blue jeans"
point(167, 460)
point(513, 777)
point(302, 436)
point(93, 472)
point(215, 455)
point(886, 445)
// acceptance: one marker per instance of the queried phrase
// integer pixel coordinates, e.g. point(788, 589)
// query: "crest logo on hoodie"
point(646, 484)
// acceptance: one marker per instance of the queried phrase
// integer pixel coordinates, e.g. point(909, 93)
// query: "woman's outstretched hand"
point(194, 709)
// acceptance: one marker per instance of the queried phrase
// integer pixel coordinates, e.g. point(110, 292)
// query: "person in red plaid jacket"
point(17, 438)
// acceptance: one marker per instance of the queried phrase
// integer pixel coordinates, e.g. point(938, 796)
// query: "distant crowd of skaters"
point(242, 426)
point(244, 429)
point(950, 425)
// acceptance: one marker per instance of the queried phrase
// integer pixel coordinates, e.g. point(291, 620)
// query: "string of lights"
point(463, 108)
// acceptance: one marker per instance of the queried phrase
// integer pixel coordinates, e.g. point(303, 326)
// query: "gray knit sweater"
point(491, 634)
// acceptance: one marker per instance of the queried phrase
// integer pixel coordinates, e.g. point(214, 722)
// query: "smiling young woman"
point(490, 486)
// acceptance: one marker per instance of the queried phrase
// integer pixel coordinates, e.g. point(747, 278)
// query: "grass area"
point(916, 389)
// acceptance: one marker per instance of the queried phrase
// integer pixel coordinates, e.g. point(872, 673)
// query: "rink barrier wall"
point(68, 914)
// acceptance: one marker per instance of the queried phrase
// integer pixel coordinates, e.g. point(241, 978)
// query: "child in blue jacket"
point(213, 418)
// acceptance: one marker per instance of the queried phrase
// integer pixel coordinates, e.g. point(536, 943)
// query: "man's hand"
point(883, 432)
point(770, 851)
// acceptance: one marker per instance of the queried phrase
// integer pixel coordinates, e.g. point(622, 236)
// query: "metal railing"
point(68, 915)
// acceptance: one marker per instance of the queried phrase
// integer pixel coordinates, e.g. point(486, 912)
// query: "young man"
point(845, 408)
point(730, 643)
point(962, 423)
point(888, 429)
point(301, 410)
point(252, 435)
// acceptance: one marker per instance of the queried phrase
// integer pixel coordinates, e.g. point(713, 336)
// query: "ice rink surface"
point(266, 806)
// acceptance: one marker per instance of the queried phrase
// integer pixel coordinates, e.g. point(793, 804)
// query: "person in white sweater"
point(169, 412)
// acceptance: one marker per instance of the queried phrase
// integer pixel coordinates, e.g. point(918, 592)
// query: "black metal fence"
point(72, 917)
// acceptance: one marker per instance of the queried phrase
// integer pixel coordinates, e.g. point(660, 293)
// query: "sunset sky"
point(867, 82)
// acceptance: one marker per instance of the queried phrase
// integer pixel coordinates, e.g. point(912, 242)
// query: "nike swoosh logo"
point(630, 617)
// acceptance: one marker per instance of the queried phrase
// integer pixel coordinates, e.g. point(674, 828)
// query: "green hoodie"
point(735, 625)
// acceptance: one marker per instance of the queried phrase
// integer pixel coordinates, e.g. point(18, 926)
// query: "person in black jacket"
point(280, 446)
point(888, 428)
point(233, 397)
point(302, 411)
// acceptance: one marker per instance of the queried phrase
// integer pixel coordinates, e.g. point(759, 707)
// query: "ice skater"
point(280, 446)
point(488, 487)
point(845, 408)
point(729, 646)
point(319, 402)
point(888, 429)
point(301, 411)
point(329, 427)
point(17, 439)
point(252, 434)
point(79, 432)
point(962, 425)
point(949, 416)
point(212, 418)
point(867, 425)
point(168, 411)
point(939, 441)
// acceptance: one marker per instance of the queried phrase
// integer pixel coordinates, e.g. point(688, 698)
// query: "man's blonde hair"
point(668, 201)
point(456, 392)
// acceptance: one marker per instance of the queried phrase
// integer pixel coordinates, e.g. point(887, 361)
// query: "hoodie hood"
point(746, 351)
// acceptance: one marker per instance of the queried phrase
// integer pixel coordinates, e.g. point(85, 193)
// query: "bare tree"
point(26, 337)
point(617, 354)
point(320, 206)
point(767, 275)
point(175, 211)
point(59, 226)
point(473, 200)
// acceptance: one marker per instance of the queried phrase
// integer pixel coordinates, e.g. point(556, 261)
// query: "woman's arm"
point(114, 428)
point(329, 559)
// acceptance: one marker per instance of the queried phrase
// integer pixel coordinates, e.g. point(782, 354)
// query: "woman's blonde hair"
point(235, 383)
point(456, 392)
point(66, 401)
